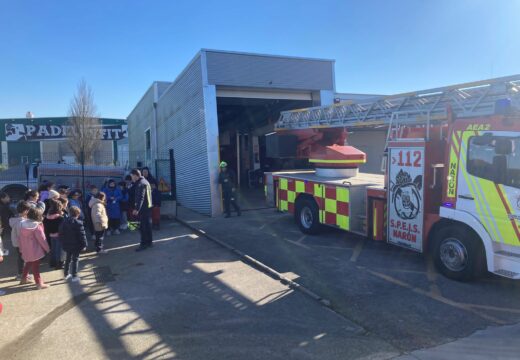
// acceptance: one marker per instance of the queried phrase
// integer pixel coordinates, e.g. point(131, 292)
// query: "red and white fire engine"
point(450, 182)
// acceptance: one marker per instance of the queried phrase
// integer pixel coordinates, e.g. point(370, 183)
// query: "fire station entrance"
point(244, 118)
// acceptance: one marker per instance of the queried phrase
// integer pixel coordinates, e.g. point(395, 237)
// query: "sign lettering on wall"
point(28, 132)
point(406, 185)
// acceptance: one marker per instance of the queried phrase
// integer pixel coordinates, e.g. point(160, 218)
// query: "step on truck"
point(450, 181)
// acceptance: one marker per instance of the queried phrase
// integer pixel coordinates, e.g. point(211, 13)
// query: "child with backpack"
point(73, 240)
point(33, 246)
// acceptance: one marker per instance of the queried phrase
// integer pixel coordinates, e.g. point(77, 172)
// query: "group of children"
point(52, 221)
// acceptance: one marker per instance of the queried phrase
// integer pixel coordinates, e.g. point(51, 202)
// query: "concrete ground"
point(393, 294)
point(186, 298)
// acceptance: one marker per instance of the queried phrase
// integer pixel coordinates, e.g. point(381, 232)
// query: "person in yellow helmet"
point(227, 179)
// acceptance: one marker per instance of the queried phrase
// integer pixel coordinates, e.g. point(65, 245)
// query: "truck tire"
point(458, 253)
point(307, 216)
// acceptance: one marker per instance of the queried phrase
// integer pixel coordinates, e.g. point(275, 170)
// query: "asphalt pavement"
point(186, 298)
point(391, 293)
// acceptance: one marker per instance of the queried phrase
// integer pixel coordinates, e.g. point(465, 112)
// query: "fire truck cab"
point(450, 185)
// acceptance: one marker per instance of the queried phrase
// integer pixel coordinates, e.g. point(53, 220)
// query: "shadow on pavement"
point(187, 298)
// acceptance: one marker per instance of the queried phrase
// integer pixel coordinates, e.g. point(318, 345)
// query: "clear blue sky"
point(120, 46)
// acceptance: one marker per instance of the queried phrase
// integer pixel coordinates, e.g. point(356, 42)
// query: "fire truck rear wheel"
point(458, 253)
point(307, 216)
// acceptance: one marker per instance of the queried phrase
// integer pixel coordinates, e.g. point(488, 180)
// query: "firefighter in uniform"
point(227, 179)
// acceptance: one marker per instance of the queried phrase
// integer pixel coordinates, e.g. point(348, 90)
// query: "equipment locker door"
point(405, 201)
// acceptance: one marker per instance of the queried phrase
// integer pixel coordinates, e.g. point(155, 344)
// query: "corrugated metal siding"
point(139, 120)
point(161, 86)
point(181, 126)
point(230, 69)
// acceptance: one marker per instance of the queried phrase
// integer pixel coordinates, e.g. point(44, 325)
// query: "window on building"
point(495, 158)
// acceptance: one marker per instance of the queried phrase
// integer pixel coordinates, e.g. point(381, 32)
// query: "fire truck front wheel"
point(307, 216)
point(458, 253)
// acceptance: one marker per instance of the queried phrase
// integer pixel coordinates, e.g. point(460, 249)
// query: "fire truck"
point(450, 175)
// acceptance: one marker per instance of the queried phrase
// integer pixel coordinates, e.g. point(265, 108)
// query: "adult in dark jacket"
point(142, 208)
point(227, 179)
point(73, 240)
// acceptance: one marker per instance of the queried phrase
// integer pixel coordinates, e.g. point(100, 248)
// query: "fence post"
point(82, 160)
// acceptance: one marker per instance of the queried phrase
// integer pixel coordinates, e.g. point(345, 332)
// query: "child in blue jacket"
point(113, 199)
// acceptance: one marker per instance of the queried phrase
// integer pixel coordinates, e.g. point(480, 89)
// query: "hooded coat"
point(33, 245)
point(99, 214)
point(15, 223)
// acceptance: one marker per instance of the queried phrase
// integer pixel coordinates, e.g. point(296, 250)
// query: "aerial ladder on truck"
point(451, 182)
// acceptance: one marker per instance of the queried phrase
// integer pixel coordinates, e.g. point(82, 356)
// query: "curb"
point(260, 266)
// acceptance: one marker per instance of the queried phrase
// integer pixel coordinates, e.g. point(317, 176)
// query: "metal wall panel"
point(250, 70)
point(181, 126)
point(138, 121)
point(161, 86)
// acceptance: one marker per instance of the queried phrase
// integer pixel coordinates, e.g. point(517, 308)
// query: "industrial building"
point(220, 107)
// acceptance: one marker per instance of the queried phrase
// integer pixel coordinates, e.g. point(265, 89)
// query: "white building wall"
point(138, 121)
point(181, 126)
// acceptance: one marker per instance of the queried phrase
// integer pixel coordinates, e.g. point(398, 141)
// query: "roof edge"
point(266, 55)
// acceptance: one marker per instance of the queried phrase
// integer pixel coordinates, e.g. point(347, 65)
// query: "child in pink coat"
point(33, 246)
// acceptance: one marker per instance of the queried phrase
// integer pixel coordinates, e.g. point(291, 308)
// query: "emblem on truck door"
point(406, 198)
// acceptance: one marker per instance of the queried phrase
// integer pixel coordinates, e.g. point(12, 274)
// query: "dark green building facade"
point(27, 140)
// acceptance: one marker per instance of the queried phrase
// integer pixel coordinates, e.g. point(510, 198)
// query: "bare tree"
point(84, 131)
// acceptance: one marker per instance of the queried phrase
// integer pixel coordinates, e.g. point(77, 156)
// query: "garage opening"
point(244, 120)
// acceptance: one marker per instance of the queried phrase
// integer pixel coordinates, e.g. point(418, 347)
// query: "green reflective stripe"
point(342, 194)
point(291, 196)
point(342, 221)
point(283, 184)
point(331, 206)
point(300, 186)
